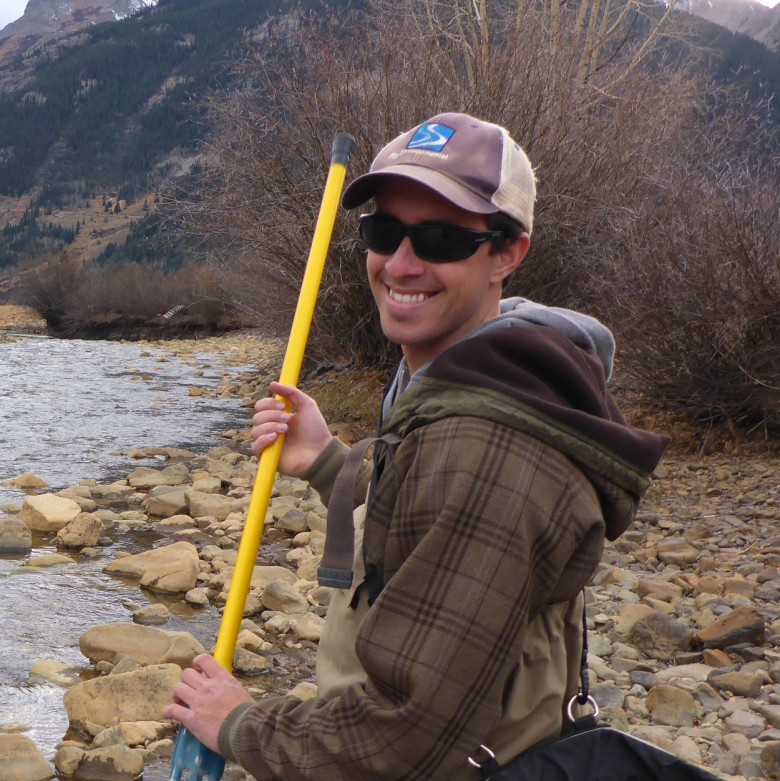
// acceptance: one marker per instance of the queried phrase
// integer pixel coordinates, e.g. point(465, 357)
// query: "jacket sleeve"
point(480, 527)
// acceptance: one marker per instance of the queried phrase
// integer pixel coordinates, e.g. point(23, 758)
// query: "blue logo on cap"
point(431, 136)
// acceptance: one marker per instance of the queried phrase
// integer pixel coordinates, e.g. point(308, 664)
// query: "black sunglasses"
point(437, 242)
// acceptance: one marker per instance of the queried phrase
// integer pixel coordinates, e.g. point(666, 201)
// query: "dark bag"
point(593, 753)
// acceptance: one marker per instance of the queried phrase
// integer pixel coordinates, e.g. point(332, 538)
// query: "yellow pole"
point(291, 367)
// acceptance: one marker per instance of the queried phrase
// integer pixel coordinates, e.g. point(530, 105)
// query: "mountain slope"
point(46, 19)
point(105, 106)
point(741, 16)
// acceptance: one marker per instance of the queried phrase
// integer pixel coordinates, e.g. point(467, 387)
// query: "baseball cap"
point(469, 162)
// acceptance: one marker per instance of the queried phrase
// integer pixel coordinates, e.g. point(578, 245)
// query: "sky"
point(10, 10)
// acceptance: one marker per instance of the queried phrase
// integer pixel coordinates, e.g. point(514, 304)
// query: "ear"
point(510, 257)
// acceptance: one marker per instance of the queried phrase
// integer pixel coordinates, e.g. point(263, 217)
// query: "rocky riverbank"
point(684, 611)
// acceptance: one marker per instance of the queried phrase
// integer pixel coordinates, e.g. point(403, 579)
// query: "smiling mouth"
point(407, 298)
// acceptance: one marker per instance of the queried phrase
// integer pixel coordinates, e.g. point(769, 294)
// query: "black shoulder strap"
point(336, 567)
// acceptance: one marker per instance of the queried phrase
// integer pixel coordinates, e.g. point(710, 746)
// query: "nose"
point(404, 262)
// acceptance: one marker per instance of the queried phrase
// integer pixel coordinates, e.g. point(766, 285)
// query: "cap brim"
point(365, 187)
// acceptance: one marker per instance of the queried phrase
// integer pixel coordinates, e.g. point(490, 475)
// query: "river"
point(70, 410)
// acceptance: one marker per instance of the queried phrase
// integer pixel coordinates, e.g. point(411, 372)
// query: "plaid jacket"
point(485, 525)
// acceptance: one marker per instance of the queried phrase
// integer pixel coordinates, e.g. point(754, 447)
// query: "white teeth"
point(405, 298)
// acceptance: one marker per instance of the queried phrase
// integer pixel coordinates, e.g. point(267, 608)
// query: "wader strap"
point(336, 567)
point(584, 692)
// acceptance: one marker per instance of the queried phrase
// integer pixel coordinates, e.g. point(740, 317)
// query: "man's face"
point(423, 306)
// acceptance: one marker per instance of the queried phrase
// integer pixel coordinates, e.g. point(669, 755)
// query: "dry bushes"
point(126, 301)
point(696, 303)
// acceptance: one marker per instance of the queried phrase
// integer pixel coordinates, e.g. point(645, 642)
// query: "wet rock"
point(152, 615)
point(48, 560)
point(281, 596)
point(68, 758)
point(112, 763)
point(132, 733)
point(28, 481)
point(48, 513)
point(248, 663)
point(15, 536)
point(82, 532)
point(215, 505)
point(165, 502)
point(146, 478)
point(170, 569)
point(20, 760)
point(55, 672)
point(744, 624)
point(145, 644)
point(134, 696)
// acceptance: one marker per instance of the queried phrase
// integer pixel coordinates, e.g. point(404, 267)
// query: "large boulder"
point(20, 760)
point(15, 536)
point(139, 695)
point(171, 569)
point(82, 532)
point(48, 513)
point(146, 644)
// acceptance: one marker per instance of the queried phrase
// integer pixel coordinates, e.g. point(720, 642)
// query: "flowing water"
point(70, 410)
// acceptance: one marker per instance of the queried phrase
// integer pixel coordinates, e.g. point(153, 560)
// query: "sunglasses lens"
point(381, 234)
point(443, 243)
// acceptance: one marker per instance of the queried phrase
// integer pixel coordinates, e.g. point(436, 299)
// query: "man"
point(506, 463)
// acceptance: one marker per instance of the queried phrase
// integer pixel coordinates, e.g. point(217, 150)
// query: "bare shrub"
point(699, 315)
point(49, 287)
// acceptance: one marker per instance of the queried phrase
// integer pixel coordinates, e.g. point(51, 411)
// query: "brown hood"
point(535, 379)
